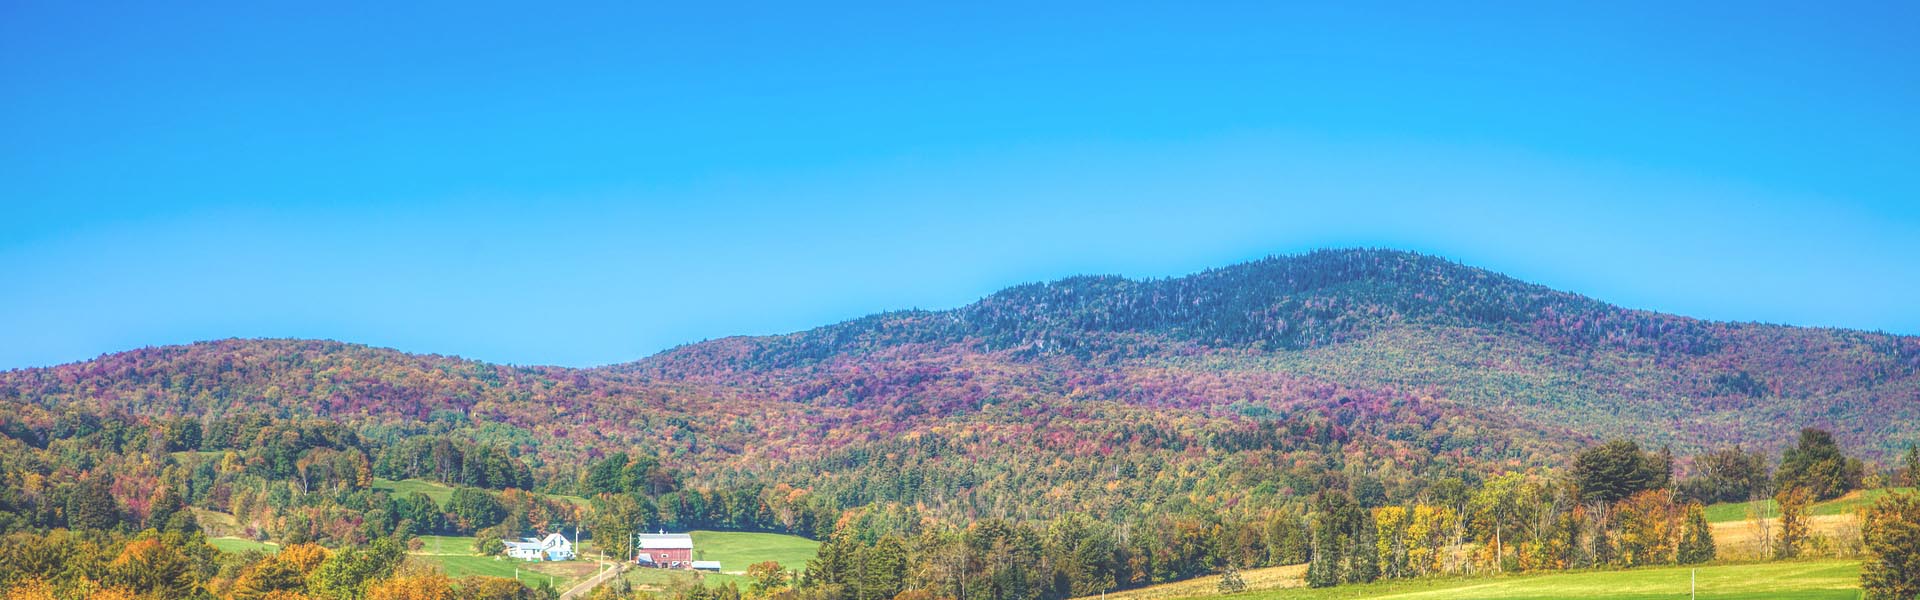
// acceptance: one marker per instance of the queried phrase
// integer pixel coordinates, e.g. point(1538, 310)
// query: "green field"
point(1824, 579)
point(445, 544)
point(234, 545)
point(658, 579)
point(736, 550)
point(440, 492)
point(454, 556)
point(401, 488)
point(1737, 511)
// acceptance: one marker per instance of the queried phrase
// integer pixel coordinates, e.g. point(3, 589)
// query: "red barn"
point(666, 550)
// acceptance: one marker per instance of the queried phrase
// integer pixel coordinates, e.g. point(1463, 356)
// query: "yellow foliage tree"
point(31, 589)
point(1647, 528)
point(429, 586)
point(304, 557)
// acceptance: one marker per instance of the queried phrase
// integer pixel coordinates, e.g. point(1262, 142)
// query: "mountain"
point(1390, 321)
point(1244, 385)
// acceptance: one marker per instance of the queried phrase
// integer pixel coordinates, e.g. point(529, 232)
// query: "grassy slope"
point(1269, 578)
point(1737, 511)
point(1835, 579)
point(440, 492)
point(401, 488)
point(234, 545)
point(661, 579)
point(454, 556)
point(736, 550)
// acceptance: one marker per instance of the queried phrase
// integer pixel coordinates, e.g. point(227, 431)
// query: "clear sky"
point(594, 184)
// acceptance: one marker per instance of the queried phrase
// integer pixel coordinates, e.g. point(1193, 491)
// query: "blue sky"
point(591, 185)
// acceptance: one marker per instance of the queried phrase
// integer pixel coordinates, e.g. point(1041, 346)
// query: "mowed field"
point(440, 492)
point(735, 551)
point(1746, 540)
point(454, 556)
point(1270, 578)
point(1799, 580)
point(234, 545)
point(1854, 501)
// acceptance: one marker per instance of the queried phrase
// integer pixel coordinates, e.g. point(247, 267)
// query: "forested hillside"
point(1395, 322)
point(1377, 364)
point(1183, 409)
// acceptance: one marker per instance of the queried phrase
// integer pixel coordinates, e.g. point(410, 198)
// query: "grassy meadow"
point(401, 488)
point(454, 556)
point(234, 545)
point(1726, 512)
point(1797, 580)
point(735, 550)
point(1258, 580)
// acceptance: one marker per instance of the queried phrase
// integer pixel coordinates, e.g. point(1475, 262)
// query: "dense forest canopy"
point(1351, 385)
point(1372, 363)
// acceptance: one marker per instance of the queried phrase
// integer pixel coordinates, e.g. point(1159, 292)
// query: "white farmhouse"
point(553, 547)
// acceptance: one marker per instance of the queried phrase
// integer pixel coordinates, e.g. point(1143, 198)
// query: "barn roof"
point(666, 541)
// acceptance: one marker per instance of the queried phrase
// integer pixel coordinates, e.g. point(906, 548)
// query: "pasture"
point(1795, 580)
point(1727, 512)
point(735, 550)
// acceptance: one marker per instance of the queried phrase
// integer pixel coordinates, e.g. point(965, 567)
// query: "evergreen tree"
point(833, 563)
point(1288, 540)
point(1613, 471)
point(90, 505)
point(607, 476)
point(1362, 533)
point(1329, 545)
point(475, 509)
point(883, 569)
point(1817, 465)
point(1892, 536)
point(1696, 537)
point(1913, 464)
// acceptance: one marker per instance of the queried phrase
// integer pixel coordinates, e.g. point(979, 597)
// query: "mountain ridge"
point(1378, 364)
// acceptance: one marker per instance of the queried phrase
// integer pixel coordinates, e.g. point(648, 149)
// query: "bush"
point(1231, 582)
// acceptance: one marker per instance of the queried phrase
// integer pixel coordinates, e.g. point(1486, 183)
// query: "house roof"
point(552, 539)
point(666, 541)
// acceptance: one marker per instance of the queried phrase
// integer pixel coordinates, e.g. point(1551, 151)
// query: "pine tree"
point(833, 564)
point(1913, 464)
point(90, 505)
point(1696, 538)
point(1329, 546)
point(883, 569)
point(1892, 536)
point(1363, 539)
